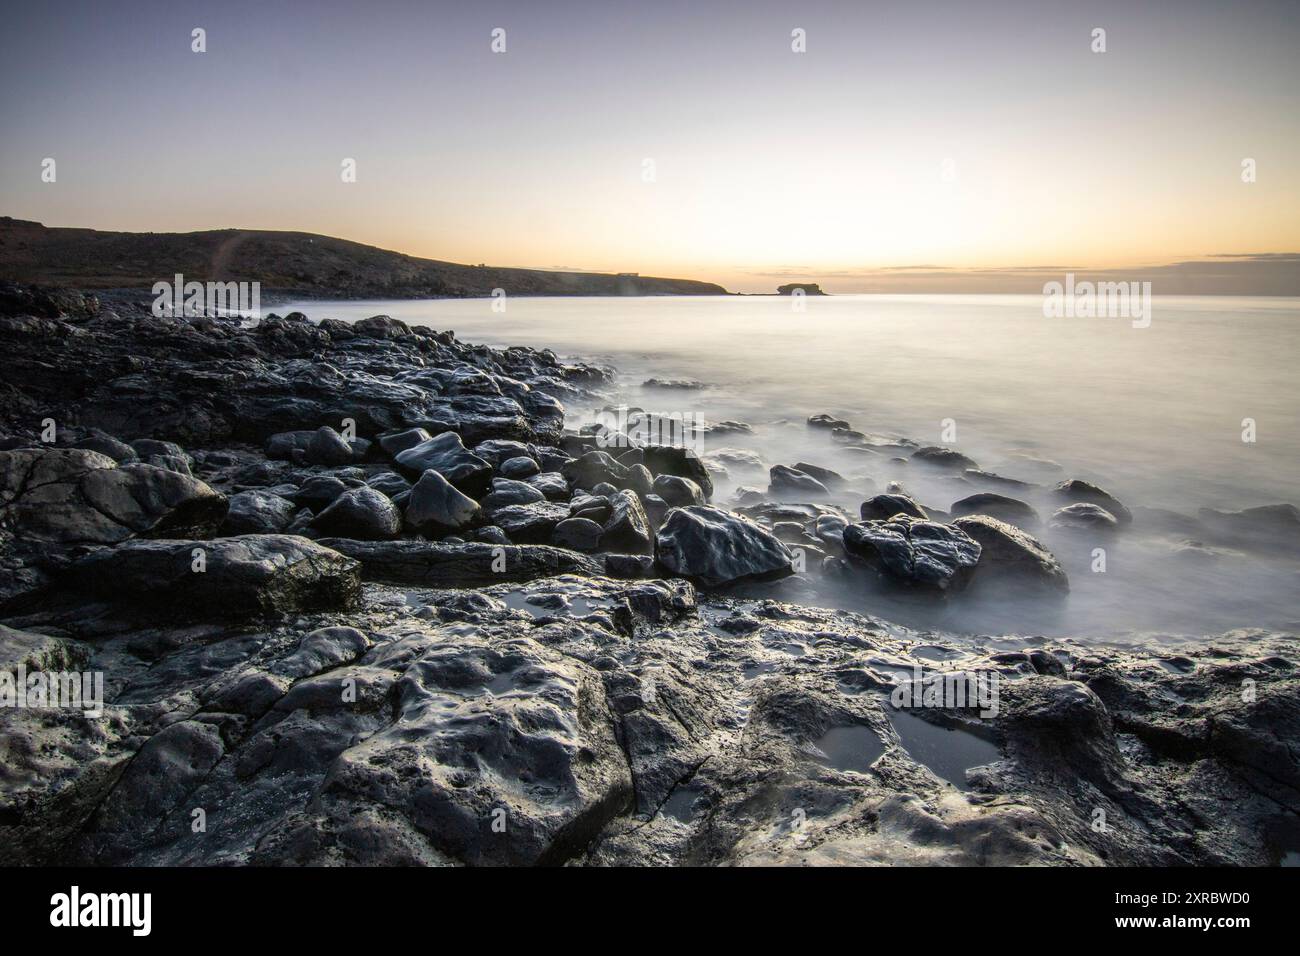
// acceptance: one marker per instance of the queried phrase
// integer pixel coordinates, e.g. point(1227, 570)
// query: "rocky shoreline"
point(358, 596)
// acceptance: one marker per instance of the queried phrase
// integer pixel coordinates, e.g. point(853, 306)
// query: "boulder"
point(391, 484)
point(831, 479)
point(119, 451)
point(627, 529)
point(319, 491)
point(592, 469)
point(288, 446)
point(532, 523)
point(629, 566)
point(328, 447)
point(580, 534)
point(1012, 561)
point(506, 492)
point(715, 548)
point(1267, 528)
point(519, 468)
point(448, 456)
point(682, 462)
point(787, 482)
point(826, 422)
point(436, 507)
point(496, 451)
point(257, 512)
point(394, 443)
point(593, 507)
point(362, 513)
point(551, 484)
point(884, 507)
point(68, 497)
point(914, 553)
point(380, 327)
point(639, 480)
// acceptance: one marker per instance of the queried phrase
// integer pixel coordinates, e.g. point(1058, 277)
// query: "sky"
point(915, 146)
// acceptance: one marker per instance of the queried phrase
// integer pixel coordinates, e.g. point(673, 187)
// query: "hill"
point(293, 263)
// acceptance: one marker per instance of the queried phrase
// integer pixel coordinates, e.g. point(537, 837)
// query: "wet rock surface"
point(715, 548)
point(358, 597)
point(914, 552)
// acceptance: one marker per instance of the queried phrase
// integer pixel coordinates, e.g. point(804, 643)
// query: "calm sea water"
point(1155, 415)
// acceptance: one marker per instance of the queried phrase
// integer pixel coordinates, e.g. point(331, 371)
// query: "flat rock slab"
point(228, 577)
point(459, 565)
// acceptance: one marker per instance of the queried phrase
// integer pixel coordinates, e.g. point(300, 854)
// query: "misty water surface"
point(1154, 415)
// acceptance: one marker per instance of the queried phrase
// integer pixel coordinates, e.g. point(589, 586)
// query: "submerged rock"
point(1083, 517)
point(790, 482)
point(944, 458)
point(1267, 528)
point(1010, 510)
point(1083, 491)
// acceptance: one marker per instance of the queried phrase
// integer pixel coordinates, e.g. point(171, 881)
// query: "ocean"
point(1198, 409)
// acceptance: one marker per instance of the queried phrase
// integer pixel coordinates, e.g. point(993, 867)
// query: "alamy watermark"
point(180, 298)
point(75, 908)
point(74, 690)
point(1092, 300)
point(625, 427)
point(956, 690)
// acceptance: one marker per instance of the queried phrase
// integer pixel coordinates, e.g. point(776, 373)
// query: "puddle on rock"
point(681, 804)
point(948, 753)
point(551, 604)
point(850, 748)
